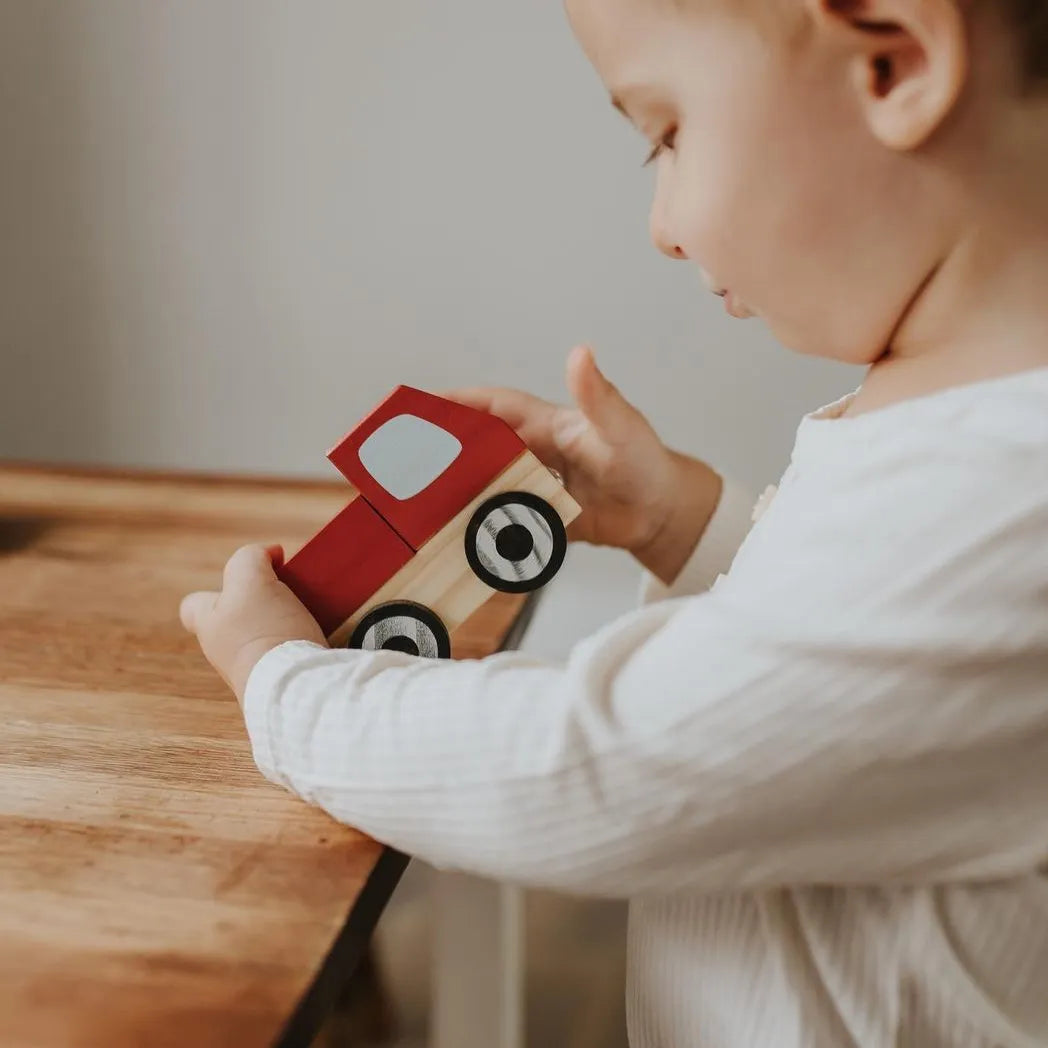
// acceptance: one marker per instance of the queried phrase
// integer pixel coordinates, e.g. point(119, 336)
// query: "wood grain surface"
point(154, 889)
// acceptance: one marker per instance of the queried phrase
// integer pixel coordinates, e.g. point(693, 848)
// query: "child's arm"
point(697, 547)
point(836, 711)
point(680, 749)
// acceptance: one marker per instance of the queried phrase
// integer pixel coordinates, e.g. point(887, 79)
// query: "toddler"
point(817, 761)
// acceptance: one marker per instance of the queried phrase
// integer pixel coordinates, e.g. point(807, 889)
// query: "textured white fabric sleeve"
point(713, 555)
point(836, 710)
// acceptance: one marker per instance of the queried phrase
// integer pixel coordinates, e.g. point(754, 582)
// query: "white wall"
point(227, 227)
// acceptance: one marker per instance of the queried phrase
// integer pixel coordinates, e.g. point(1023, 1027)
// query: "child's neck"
point(998, 328)
point(983, 313)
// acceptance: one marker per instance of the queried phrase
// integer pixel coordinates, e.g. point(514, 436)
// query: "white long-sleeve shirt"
point(823, 783)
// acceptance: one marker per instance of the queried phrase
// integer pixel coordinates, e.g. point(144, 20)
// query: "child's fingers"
point(598, 399)
point(195, 608)
point(517, 409)
point(536, 421)
point(247, 567)
point(489, 399)
point(532, 418)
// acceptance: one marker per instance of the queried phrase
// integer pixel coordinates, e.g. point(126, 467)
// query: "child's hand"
point(635, 493)
point(608, 455)
point(254, 613)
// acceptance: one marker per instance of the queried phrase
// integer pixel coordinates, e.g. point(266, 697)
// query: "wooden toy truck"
point(451, 507)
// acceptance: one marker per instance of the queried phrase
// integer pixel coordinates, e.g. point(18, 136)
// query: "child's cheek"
point(711, 218)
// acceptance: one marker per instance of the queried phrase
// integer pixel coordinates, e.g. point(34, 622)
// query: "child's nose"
point(661, 238)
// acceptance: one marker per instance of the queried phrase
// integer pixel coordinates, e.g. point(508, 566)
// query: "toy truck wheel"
point(516, 542)
point(403, 626)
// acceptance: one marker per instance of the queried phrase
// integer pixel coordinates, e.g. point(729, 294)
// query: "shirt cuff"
point(725, 533)
point(262, 713)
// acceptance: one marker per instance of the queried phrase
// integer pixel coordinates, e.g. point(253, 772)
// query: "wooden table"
point(154, 889)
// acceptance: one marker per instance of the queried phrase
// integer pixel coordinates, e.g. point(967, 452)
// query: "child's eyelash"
point(667, 142)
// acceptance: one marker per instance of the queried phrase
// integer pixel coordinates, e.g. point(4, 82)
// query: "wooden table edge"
point(348, 947)
point(347, 950)
point(316, 1004)
point(165, 475)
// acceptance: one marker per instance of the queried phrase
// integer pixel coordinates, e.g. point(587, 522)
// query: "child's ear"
point(909, 60)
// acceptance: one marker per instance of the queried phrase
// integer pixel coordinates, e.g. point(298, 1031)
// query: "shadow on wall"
point(49, 283)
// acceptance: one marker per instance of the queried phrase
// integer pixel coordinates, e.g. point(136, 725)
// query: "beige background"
point(229, 226)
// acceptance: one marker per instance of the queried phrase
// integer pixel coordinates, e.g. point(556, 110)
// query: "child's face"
point(770, 179)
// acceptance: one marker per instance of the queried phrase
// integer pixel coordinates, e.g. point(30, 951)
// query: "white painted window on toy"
point(407, 454)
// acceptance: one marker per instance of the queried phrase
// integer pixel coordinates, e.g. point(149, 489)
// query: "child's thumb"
point(603, 406)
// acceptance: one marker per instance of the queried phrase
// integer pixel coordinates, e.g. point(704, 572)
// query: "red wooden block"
point(344, 564)
point(419, 459)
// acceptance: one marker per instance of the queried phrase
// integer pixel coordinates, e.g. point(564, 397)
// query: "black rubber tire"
point(427, 638)
point(495, 555)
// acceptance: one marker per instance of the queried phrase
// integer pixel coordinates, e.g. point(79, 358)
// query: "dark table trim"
point(346, 952)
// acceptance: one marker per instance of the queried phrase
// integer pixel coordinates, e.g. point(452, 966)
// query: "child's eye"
point(668, 141)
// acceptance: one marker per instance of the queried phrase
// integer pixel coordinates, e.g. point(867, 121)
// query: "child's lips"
point(733, 305)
